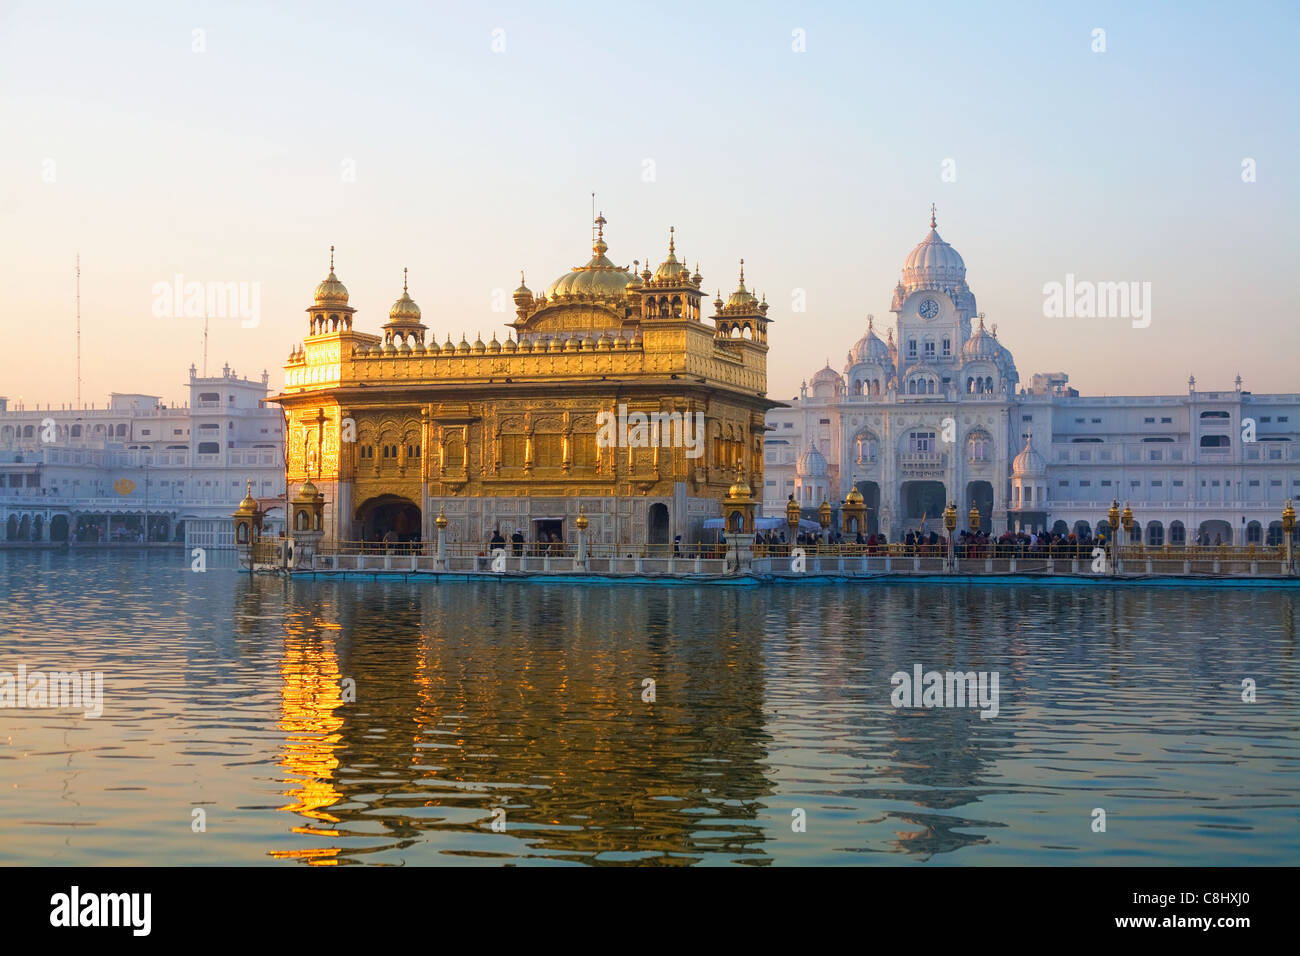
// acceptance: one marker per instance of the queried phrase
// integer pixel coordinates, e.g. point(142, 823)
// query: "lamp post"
point(1127, 520)
point(1114, 536)
point(441, 523)
point(582, 537)
point(1288, 526)
point(792, 521)
point(824, 519)
point(950, 523)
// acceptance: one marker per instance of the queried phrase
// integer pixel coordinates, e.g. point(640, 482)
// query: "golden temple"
point(505, 436)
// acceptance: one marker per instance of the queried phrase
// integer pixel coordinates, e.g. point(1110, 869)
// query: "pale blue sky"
point(817, 167)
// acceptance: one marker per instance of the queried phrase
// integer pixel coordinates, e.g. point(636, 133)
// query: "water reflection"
point(533, 704)
point(229, 694)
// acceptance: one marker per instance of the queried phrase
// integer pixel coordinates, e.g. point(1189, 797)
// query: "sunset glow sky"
point(124, 144)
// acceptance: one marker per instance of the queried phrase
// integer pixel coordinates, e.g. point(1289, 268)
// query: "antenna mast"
point(78, 330)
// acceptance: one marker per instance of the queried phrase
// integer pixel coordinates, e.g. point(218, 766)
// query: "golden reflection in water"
point(555, 728)
point(310, 697)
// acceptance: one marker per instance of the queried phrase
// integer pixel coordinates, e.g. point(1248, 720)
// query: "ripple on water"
point(521, 707)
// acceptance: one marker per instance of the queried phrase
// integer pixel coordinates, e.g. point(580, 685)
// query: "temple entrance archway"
point(923, 500)
point(389, 517)
point(1213, 533)
point(979, 495)
point(658, 526)
point(870, 491)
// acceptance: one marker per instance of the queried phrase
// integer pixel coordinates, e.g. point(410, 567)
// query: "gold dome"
point(331, 291)
point(308, 490)
point(598, 279)
point(854, 497)
point(670, 270)
point(740, 489)
point(249, 505)
point(742, 300)
point(404, 310)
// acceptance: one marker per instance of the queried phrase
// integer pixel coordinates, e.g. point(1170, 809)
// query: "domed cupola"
point(741, 301)
point(870, 349)
point(933, 264)
point(331, 292)
point(599, 279)
point(403, 328)
point(1029, 463)
point(329, 311)
point(827, 383)
point(811, 464)
point(982, 346)
point(404, 310)
point(670, 271)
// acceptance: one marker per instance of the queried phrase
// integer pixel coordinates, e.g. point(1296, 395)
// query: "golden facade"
point(508, 434)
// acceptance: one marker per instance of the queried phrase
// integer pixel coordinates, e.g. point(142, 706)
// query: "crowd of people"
point(920, 543)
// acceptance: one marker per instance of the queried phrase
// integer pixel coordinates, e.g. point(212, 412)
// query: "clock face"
point(929, 309)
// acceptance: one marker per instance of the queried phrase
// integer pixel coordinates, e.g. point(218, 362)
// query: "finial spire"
point(600, 225)
point(931, 215)
point(981, 317)
point(404, 280)
point(521, 277)
point(331, 258)
point(672, 247)
point(742, 273)
point(871, 322)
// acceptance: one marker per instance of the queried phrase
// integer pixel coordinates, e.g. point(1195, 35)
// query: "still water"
point(524, 705)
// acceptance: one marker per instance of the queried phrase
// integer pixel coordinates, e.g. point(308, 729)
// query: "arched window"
point(867, 445)
point(1215, 441)
point(980, 446)
point(1254, 533)
point(1177, 534)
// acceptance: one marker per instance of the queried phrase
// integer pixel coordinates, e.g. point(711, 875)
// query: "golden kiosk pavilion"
point(519, 435)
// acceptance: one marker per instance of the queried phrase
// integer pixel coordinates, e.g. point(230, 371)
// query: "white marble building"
point(92, 473)
point(936, 413)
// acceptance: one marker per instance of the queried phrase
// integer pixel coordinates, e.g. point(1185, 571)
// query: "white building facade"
point(936, 414)
point(92, 474)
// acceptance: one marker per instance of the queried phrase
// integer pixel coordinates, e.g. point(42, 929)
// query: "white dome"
point(811, 464)
point(870, 348)
point(981, 345)
point(933, 264)
point(827, 374)
point(1029, 463)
